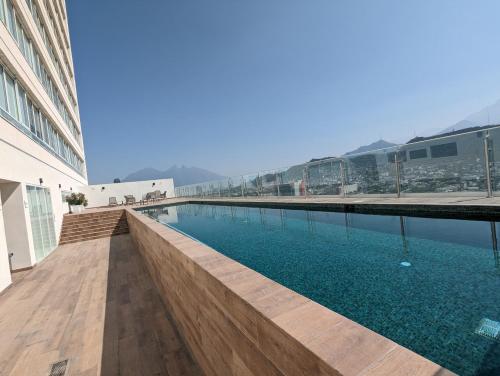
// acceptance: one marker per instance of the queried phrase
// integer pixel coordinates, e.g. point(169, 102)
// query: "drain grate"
point(489, 328)
point(59, 368)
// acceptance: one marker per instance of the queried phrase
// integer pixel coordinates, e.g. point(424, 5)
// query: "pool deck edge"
point(456, 207)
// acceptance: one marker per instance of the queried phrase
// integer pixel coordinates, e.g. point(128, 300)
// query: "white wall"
point(5, 278)
point(99, 194)
point(24, 161)
point(17, 225)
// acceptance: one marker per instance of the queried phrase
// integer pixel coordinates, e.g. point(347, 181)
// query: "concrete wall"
point(99, 194)
point(5, 278)
point(237, 322)
point(27, 162)
point(17, 225)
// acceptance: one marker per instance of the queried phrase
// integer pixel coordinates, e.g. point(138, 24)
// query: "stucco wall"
point(26, 162)
point(237, 322)
point(5, 278)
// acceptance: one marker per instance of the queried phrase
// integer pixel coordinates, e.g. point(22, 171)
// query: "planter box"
point(76, 209)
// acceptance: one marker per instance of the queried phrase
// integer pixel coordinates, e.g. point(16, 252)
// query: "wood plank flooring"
point(94, 304)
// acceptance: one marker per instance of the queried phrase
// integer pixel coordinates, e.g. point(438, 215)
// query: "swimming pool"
point(431, 285)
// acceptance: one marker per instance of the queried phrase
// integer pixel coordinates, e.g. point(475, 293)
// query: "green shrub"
point(77, 199)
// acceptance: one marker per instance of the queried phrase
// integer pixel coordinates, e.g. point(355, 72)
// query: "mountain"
point(380, 144)
point(182, 175)
point(488, 115)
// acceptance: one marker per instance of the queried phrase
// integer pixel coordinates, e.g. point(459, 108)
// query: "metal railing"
point(456, 164)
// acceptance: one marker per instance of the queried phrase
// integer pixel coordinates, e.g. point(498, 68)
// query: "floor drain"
point(59, 368)
point(489, 328)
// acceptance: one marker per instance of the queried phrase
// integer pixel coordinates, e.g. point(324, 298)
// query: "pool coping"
point(285, 329)
point(452, 210)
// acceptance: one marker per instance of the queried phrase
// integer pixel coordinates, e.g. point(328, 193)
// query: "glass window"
point(420, 153)
point(11, 23)
point(53, 138)
point(22, 105)
point(2, 14)
point(444, 150)
point(3, 97)
point(31, 118)
point(18, 34)
point(45, 130)
point(38, 126)
point(11, 96)
point(21, 39)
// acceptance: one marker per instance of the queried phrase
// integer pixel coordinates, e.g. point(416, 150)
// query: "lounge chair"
point(157, 195)
point(145, 199)
point(112, 201)
point(163, 195)
point(129, 200)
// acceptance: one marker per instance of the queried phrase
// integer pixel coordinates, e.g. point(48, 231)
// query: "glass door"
point(42, 221)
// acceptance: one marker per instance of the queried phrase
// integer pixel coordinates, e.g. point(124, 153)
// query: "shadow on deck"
point(92, 303)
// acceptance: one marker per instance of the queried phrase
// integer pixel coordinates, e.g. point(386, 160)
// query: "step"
point(109, 229)
point(92, 231)
point(92, 218)
point(96, 214)
point(93, 225)
point(69, 241)
point(95, 235)
point(94, 222)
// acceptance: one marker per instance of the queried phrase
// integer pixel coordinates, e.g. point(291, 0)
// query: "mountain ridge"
point(487, 116)
point(380, 144)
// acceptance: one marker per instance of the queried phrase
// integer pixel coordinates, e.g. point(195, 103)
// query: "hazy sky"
point(237, 86)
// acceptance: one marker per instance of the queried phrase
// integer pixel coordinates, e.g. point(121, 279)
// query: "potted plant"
point(76, 202)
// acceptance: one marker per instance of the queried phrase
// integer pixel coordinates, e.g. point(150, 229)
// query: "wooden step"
point(67, 232)
point(95, 235)
point(87, 226)
point(92, 226)
point(95, 215)
point(93, 218)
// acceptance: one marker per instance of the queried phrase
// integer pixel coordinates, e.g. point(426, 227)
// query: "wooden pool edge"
point(236, 321)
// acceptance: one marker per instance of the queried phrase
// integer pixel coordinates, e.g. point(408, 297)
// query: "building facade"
point(41, 147)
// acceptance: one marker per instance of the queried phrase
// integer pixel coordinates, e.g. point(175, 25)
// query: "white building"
point(41, 148)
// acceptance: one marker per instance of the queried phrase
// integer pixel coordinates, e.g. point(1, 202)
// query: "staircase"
point(87, 226)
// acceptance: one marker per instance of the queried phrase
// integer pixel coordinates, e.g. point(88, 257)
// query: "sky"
point(237, 86)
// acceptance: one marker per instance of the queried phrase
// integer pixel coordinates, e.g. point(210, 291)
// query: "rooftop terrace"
point(155, 302)
point(93, 303)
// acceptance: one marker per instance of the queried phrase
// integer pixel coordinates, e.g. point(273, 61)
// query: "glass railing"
point(466, 163)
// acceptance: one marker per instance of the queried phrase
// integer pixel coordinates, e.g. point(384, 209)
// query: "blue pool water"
point(431, 285)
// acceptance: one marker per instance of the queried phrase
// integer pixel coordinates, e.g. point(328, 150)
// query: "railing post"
point(398, 177)
point(342, 177)
point(331, 174)
point(258, 184)
point(305, 179)
point(277, 182)
point(488, 167)
point(242, 187)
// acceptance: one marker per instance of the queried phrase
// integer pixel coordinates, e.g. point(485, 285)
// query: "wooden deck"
point(94, 304)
